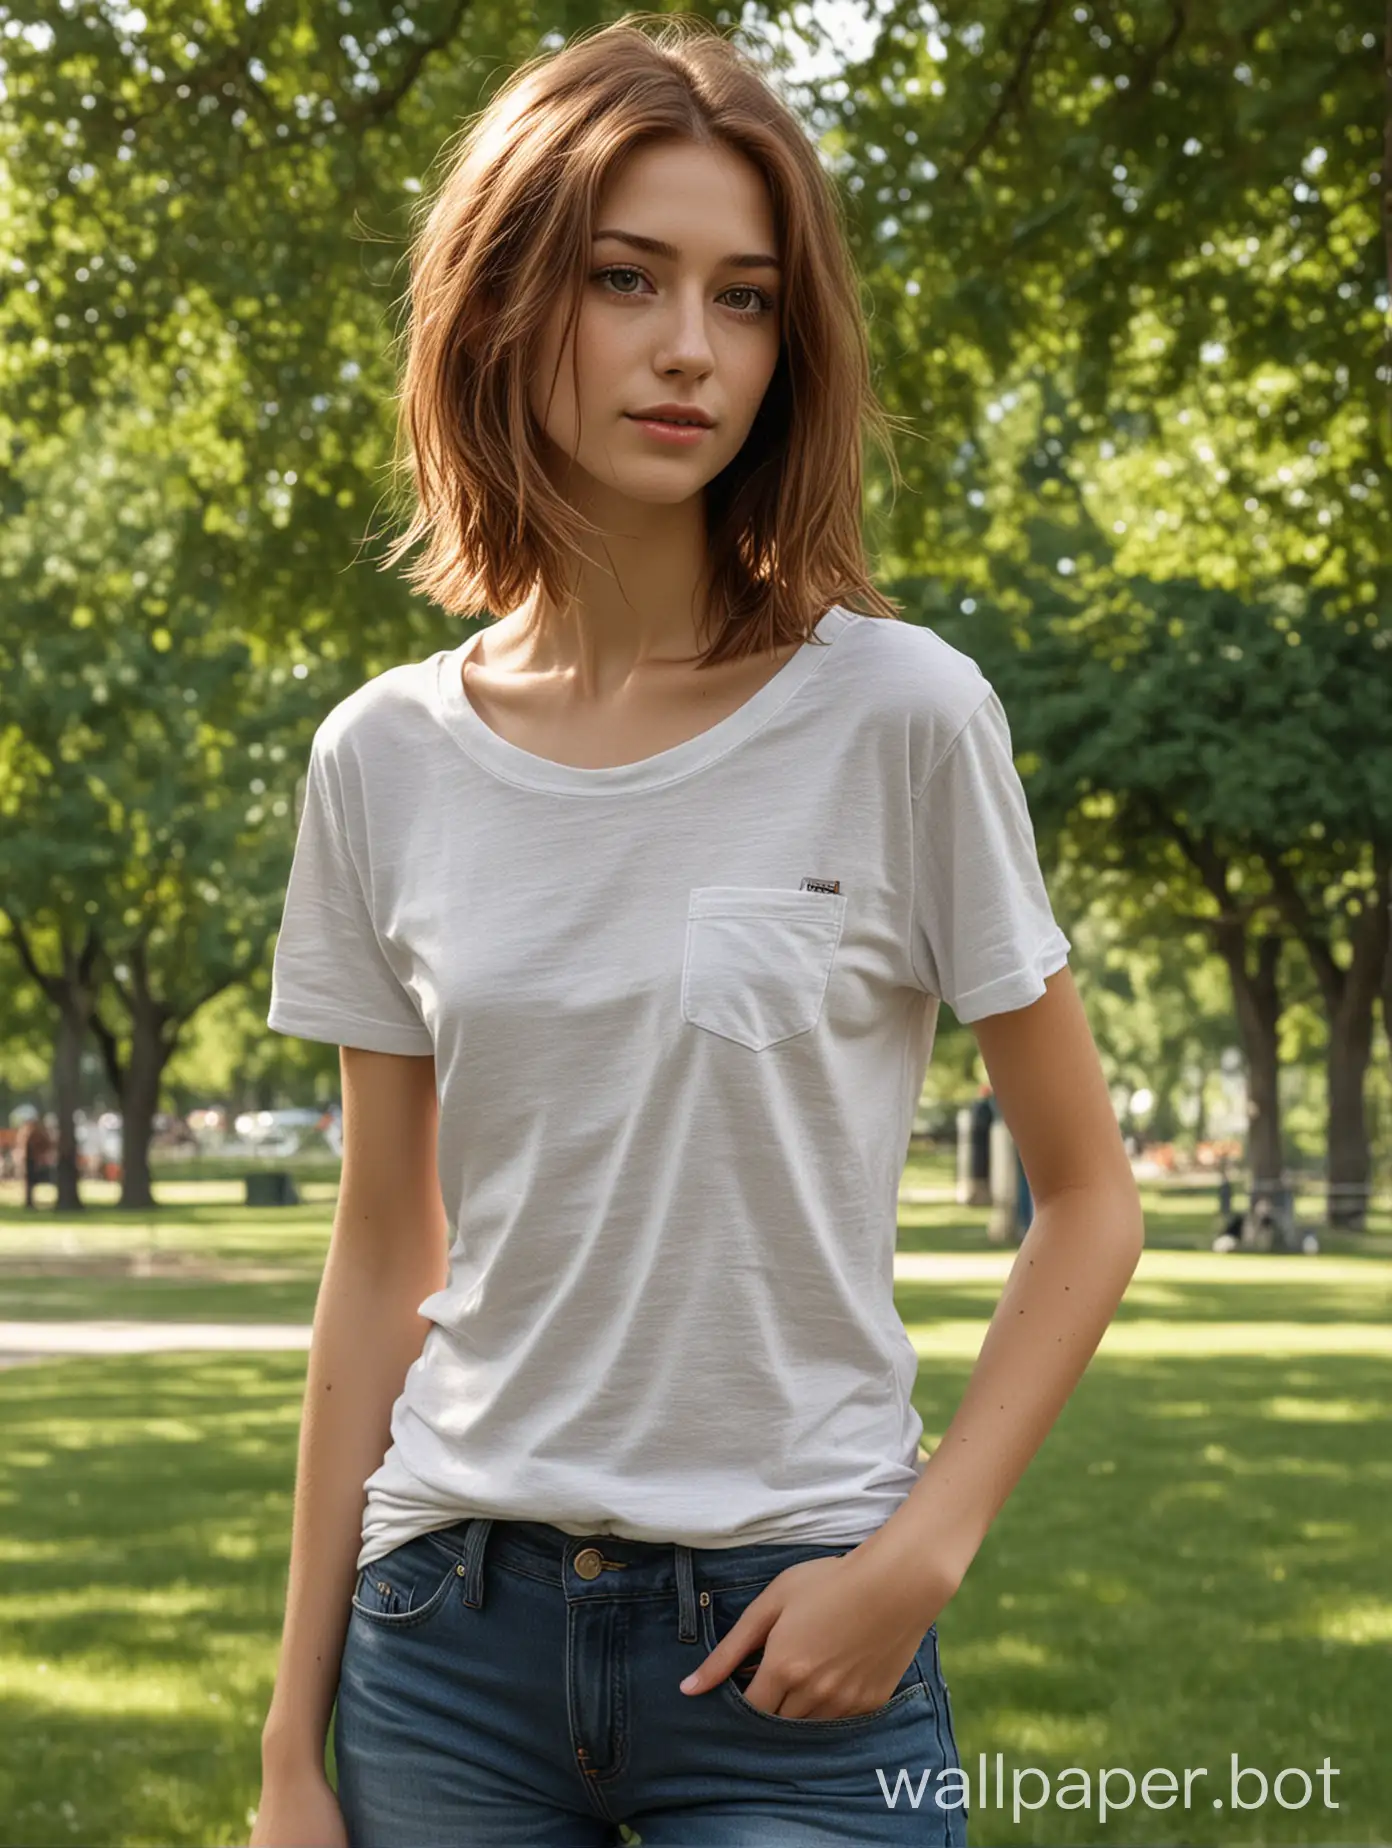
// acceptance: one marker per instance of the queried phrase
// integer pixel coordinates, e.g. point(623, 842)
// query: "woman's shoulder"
point(910, 677)
point(379, 716)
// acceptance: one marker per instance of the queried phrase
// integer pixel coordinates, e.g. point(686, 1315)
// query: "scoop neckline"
point(515, 765)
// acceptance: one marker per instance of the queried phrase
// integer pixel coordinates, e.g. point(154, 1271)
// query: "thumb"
point(749, 1631)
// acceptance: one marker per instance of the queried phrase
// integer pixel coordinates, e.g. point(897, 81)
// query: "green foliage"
point(1175, 208)
point(1122, 270)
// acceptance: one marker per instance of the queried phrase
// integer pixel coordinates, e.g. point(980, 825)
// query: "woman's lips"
point(664, 432)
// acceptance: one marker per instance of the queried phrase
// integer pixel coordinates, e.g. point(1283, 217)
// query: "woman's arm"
point(840, 1632)
point(1068, 1277)
point(387, 1254)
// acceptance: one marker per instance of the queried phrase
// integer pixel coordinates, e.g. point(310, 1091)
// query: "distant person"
point(983, 1115)
point(37, 1151)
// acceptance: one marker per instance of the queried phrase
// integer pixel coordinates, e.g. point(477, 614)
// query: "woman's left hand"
point(838, 1634)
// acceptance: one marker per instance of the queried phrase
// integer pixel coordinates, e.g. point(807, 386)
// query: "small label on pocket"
point(820, 885)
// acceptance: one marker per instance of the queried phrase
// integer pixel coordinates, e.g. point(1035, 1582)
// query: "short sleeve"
point(331, 979)
point(984, 933)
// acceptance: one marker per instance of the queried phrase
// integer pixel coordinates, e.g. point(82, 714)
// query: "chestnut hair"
point(512, 218)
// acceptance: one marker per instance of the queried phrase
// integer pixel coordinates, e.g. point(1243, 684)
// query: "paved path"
point(21, 1341)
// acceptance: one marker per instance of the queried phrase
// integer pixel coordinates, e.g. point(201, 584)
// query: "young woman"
point(632, 915)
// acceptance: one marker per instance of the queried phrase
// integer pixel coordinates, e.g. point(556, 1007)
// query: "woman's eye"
point(607, 274)
point(759, 301)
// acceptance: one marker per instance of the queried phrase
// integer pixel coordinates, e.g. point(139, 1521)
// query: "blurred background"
point(1126, 274)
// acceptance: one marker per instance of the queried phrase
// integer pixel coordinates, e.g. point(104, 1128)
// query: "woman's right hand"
point(298, 1809)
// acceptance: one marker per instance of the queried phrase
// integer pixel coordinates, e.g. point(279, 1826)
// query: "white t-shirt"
point(681, 1012)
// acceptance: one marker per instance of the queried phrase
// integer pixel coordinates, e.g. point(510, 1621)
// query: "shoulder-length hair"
point(511, 222)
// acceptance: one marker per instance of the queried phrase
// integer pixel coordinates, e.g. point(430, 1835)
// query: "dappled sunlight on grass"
point(1034, 1735)
point(1004, 1650)
point(1319, 1411)
point(1367, 1621)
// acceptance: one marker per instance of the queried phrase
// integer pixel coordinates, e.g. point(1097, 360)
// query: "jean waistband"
point(606, 1566)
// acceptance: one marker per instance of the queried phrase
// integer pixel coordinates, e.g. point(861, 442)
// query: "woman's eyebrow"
point(655, 247)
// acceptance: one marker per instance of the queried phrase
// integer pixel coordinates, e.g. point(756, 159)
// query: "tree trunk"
point(1257, 1002)
point(1350, 996)
point(139, 1102)
point(1351, 1025)
point(1346, 1065)
point(137, 1082)
point(149, 1054)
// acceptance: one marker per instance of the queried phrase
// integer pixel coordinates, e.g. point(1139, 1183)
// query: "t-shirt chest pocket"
point(758, 960)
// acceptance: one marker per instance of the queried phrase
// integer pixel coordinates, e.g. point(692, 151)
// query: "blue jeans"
point(504, 1682)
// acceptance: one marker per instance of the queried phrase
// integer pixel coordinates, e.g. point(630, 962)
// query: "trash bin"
point(273, 1187)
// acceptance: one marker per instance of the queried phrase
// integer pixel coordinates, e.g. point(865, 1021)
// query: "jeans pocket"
point(722, 1608)
point(407, 1585)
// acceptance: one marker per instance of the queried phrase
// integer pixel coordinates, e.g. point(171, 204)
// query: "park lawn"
point(1193, 1565)
point(200, 1256)
point(204, 1256)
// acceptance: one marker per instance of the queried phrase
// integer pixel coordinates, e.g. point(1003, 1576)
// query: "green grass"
point(1194, 1564)
point(201, 1256)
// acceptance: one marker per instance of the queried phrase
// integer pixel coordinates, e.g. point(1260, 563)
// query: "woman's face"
point(697, 326)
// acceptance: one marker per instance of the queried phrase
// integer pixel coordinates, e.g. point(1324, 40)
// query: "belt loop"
point(474, 1542)
point(686, 1596)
